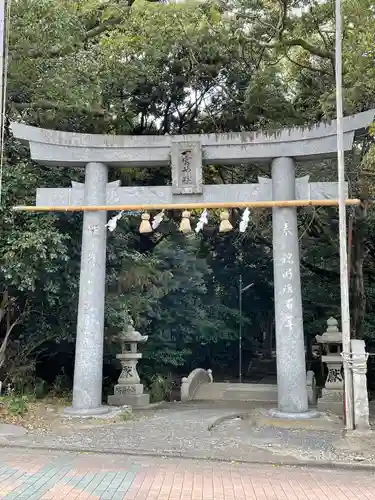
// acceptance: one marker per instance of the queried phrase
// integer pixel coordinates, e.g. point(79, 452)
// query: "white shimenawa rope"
point(359, 364)
point(3, 97)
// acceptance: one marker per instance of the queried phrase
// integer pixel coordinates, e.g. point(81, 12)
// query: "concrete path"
point(187, 430)
point(37, 475)
point(180, 429)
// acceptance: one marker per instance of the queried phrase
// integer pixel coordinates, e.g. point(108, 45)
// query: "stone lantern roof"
point(132, 335)
point(332, 335)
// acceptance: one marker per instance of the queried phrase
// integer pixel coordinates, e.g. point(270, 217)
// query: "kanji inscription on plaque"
point(125, 389)
point(186, 168)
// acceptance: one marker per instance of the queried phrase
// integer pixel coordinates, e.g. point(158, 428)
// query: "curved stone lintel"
point(52, 147)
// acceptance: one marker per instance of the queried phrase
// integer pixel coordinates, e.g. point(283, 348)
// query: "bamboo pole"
point(186, 206)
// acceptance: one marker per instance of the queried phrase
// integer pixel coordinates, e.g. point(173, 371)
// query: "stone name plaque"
point(186, 158)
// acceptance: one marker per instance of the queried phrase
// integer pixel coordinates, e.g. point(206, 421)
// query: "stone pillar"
point(88, 369)
point(290, 348)
point(359, 365)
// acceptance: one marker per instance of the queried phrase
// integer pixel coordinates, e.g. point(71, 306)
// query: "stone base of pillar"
point(306, 415)
point(332, 400)
point(84, 412)
point(359, 433)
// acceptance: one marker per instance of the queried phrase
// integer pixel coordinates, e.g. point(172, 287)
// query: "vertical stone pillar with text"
point(291, 365)
point(88, 368)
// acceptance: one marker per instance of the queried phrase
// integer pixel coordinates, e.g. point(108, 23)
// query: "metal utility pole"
point(3, 5)
point(2, 54)
point(240, 292)
point(344, 282)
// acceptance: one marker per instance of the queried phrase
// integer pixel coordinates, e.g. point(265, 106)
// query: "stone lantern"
point(333, 393)
point(129, 390)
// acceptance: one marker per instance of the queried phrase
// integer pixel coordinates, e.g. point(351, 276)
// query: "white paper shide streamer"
point(157, 220)
point(244, 220)
point(203, 220)
point(112, 223)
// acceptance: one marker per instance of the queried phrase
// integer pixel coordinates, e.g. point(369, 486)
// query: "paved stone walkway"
point(186, 430)
point(180, 429)
point(36, 475)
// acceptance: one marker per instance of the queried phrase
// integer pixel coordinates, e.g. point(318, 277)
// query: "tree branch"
point(282, 42)
point(9, 328)
point(63, 50)
point(324, 273)
point(5, 304)
point(5, 340)
point(283, 16)
point(300, 42)
point(45, 105)
point(309, 68)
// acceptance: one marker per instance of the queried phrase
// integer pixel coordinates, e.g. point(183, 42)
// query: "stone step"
point(252, 392)
point(211, 391)
point(236, 392)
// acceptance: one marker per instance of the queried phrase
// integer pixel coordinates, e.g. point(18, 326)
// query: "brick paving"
point(32, 475)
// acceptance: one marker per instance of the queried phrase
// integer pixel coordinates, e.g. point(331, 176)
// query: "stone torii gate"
point(187, 154)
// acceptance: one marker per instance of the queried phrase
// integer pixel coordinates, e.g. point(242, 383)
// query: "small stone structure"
point(190, 384)
point(333, 392)
point(199, 385)
point(312, 390)
point(359, 367)
point(129, 390)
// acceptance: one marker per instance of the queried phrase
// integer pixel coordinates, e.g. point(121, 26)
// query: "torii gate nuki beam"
point(187, 154)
